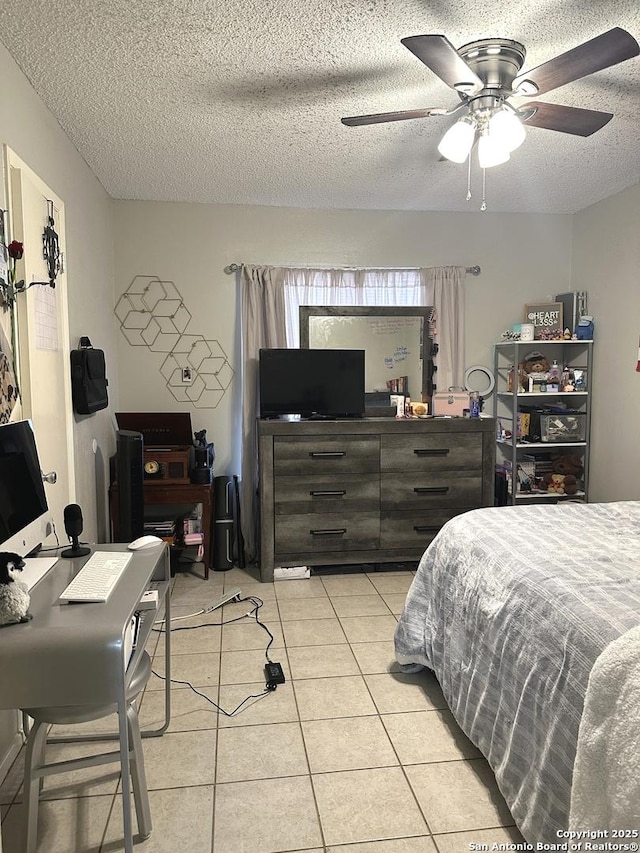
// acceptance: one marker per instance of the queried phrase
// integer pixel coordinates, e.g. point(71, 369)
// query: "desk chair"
point(35, 768)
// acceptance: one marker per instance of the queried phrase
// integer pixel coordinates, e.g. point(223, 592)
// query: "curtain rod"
point(475, 270)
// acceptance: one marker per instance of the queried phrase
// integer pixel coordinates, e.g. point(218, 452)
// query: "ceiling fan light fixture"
point(505, 125)
point(491, 151)
point(457, 142)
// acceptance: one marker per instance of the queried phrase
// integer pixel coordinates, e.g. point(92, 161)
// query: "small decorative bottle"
point(553, 377)
point(474, 404)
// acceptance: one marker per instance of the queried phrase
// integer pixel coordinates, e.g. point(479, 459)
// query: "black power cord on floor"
point(236, 710)
point(274, 674)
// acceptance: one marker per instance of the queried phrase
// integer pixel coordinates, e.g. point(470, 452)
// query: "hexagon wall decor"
point(152, 313)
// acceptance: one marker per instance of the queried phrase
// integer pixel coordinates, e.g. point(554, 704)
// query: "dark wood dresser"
point(375, 490)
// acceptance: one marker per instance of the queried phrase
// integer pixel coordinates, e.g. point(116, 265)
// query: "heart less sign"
point(544, 316)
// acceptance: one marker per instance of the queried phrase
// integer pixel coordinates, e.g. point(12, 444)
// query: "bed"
point(511, 607)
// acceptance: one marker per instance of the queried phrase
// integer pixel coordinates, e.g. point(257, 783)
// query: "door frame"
point(11, 161)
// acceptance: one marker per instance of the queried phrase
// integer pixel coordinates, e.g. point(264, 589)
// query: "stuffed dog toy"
point(14, 593)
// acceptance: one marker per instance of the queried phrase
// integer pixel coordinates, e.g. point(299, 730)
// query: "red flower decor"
point(15, 250)
point(8, 289)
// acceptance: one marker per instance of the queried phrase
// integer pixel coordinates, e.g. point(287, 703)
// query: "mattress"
point(511, 607)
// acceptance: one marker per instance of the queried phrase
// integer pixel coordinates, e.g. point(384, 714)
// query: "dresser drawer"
point(326, 454)
point(327, 493)
point(446, 451)
point(405, 529)
point(447, 489)
point(314, 532)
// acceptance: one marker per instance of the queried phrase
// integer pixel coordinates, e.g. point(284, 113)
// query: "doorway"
point(42, 332)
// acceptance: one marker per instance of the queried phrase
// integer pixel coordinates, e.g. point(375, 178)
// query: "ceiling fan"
point(486, 75)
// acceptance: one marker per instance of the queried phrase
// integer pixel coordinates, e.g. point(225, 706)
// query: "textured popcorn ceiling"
point(239, 101)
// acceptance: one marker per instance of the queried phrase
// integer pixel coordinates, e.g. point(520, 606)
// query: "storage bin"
point(567, 428)
point(450, 403)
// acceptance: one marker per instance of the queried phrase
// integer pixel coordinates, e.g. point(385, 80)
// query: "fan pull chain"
point(469, 177)
point(483, 206)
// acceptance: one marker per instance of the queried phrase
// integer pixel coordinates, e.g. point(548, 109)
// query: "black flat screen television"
point(312, 383)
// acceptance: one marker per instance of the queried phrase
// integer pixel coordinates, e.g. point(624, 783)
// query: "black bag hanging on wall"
point(88, 379)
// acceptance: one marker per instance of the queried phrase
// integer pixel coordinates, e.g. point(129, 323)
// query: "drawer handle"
point(432, 451)
point(425, 528)
point(431, 490)
point(339, 531)
point(326, 454)
point(327, 493)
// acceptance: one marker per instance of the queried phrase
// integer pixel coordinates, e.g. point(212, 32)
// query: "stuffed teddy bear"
point(14, 593)
point(560, 484)
point(554, 483)
point(536, 363)
point(568, 463)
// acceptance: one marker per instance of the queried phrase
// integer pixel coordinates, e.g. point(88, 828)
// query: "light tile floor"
point(348, 756)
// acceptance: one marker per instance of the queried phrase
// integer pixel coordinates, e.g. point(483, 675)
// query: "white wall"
point(32, 132)
point(606, 263)
point(523, 259)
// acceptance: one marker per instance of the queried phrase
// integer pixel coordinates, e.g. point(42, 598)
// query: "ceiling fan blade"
point(443, 59)
point(575, 120)
point(379, 118)
point(603, 51)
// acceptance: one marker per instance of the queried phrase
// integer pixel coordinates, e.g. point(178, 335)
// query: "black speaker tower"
point(130, 479)
point(223, 535)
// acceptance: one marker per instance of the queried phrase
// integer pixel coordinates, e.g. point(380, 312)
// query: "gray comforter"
point(510, 607)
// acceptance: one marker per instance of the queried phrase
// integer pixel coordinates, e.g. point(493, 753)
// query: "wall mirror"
point(396, 342)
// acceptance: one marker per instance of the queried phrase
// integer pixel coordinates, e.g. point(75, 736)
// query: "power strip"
point(233, 595)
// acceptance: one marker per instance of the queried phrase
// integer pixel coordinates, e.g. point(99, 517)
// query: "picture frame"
point(545, 316)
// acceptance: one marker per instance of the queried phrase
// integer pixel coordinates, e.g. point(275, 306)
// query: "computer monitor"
point(25, 519)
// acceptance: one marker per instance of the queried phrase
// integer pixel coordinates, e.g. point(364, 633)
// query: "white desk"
point(73, 654)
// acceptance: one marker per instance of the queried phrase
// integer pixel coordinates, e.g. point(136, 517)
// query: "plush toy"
point(14, 593)
point(535, 362)
point(560, 484)
point(554, 483)
point(568, 463)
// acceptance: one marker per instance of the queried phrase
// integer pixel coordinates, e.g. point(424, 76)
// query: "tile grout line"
point(217, 739)
point(306, 753)
point(400, 764)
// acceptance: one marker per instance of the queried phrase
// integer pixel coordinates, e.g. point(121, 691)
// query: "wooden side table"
point(156, 492)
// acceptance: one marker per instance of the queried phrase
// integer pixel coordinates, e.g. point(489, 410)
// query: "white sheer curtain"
point(270, 301)
point(444, 287)
point(441, 287)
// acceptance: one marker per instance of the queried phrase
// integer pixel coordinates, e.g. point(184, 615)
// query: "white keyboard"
point(96, 580)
